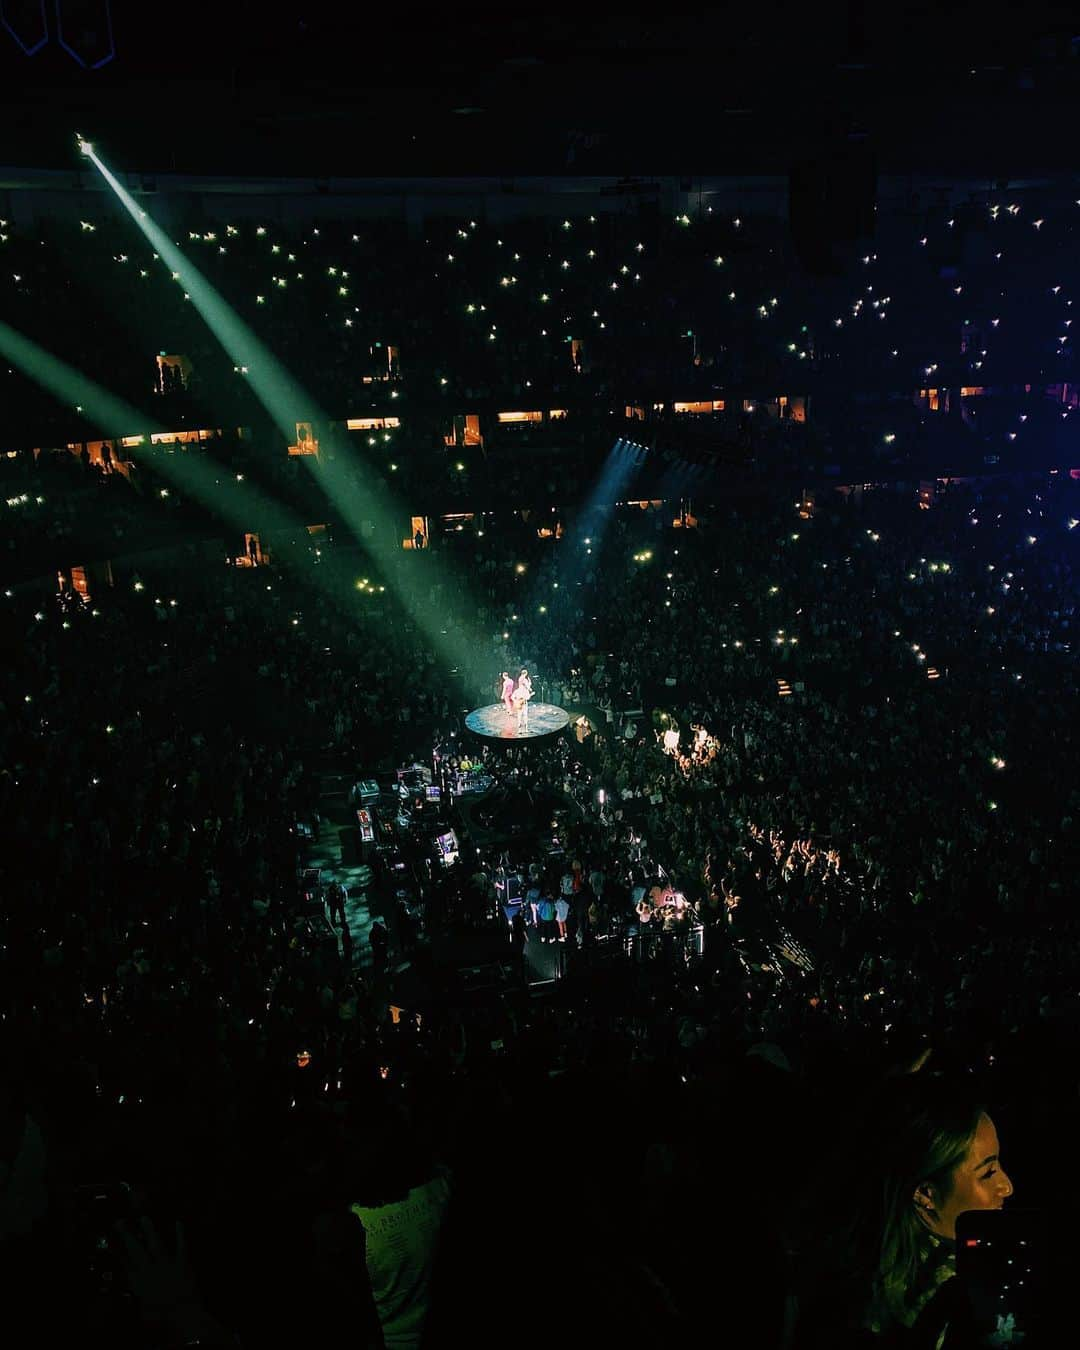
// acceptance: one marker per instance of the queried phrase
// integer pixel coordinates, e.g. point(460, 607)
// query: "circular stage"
point(495, 724)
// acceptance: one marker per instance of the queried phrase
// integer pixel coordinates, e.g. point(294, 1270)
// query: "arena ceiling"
point(316, 88)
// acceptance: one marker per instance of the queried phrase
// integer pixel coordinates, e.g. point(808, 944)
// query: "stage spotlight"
point(85, 147)
point(195, 476)
point(370, 513)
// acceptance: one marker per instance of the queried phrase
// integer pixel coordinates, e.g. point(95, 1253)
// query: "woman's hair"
point(916, 1129)
point(932, 1124)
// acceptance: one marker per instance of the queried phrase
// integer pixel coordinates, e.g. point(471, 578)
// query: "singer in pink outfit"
point(507, 694)
point(523, 691)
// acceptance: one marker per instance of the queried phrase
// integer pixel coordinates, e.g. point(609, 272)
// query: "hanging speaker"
point(27, 23)
point(84, 30)
point(832, 192)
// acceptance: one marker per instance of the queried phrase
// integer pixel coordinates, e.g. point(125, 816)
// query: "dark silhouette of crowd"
point(804, 858)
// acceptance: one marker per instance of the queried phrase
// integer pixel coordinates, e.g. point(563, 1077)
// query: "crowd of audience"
point(831, 731)
point(876, 856)
point(591, 313)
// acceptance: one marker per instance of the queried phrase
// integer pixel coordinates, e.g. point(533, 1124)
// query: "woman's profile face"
point(979, 1182)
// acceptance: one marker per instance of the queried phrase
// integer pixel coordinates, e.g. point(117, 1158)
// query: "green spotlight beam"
point(287, 403)
point(114, 416)
point(278, 392)
point(213, 487)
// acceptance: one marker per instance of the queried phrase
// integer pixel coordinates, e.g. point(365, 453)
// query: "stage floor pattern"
point(494, 722)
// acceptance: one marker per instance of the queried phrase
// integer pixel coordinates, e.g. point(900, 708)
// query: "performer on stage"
point(507, 694)
point(523, 691)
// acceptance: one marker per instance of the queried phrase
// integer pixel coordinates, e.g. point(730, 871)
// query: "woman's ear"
point(925, 1198)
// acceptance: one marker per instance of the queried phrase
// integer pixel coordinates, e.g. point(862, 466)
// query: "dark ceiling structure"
point(319, 89)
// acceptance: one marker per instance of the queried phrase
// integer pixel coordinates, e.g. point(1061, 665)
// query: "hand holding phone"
point(99, 1207)
point(1001, 1261)
point(162, 1280)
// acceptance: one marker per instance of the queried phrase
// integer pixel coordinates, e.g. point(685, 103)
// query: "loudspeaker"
point(832, 190)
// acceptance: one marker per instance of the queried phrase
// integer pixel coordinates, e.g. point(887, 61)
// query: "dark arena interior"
point(539, 739)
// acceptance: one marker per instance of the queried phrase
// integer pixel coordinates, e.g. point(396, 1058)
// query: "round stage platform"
point(496, 724)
